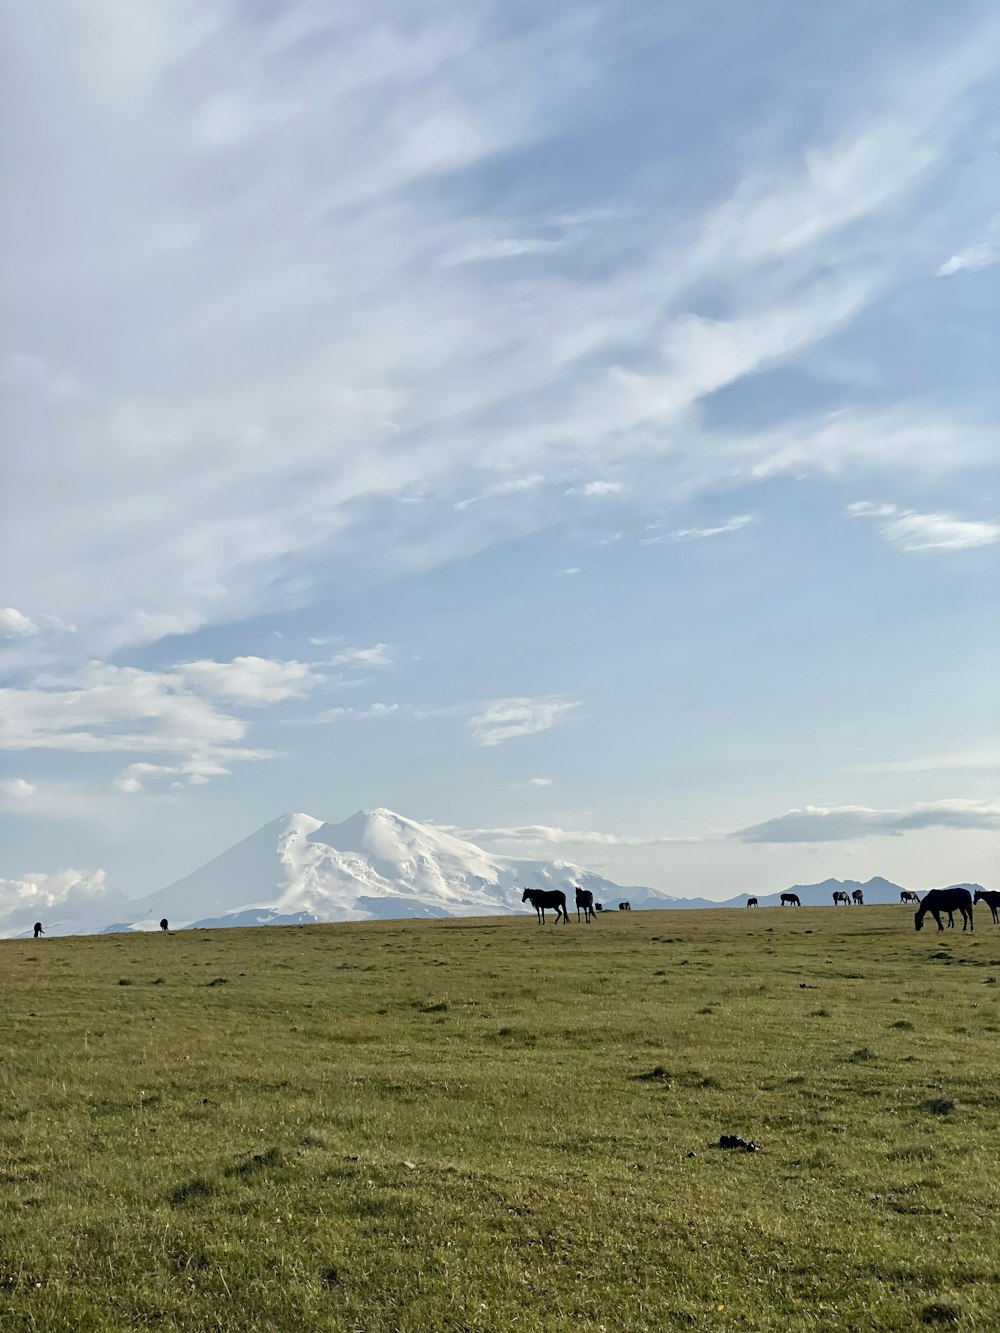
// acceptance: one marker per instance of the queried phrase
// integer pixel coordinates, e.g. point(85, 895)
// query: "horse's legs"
point(967, 918)
point(578, 914)
point(996, 919)
point(937, 918)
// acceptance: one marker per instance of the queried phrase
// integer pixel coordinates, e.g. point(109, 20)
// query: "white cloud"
point(61, 894)
point(325, 640)
point(844, 823)
point(912, 531)
point(539, 782)
point(17, 788)
point(552, 836)
point(976, 257)
point(15, 625)
point(379, 655)
point(503, 719)
point(250, 680)
point(507, 248)
point(568, 573)
point(960, 761)
point(104, 708)
point(696, 534)
point(355, 714)
point(513, 486)
point(195, 773)
point(597, 488)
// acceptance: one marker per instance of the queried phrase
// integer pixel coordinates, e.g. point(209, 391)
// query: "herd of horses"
point(936, 902)
point(542, 899)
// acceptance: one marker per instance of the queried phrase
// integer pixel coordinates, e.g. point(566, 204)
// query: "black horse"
point(752, 902)
point(624, 907)
point(542, 898)
point(992, 900)
point(790, 900)
point(164, 924)
point(954, 899)
point(38, 929)
point(908, 896)
point(584, 900)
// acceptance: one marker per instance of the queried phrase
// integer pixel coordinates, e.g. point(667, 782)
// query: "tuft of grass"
point(940, 1312)
point(861, 1055)
point(940, 1106)
point(192, 1191)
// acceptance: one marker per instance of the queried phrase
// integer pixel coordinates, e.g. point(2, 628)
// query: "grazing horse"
point(858, 898)
point(38, 929)
point(542, 898)
point(790, 900)
point(908, 896)
point(164, 924)
point(839, 896)
point(624, 907)
point(584, 899)
point(954, 899)
point(598, 907)
point(752, 902)
point(992, 900)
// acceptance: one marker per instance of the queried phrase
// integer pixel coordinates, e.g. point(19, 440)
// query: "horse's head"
point(525, 895)
point(978, 898)
point(918, 920)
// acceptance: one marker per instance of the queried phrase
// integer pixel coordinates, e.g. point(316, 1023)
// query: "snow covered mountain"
point(376, 864)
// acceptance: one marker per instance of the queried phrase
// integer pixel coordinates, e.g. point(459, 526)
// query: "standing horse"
point(542, 898)
point(954, 899)
point(752, 902)
point(38, 929)
point(908, 896)
point(858, 898)
point(584, 899)
point(992, 900)
point(839, 896)
point(790, 900)
point(164, 924)
point(624, 907)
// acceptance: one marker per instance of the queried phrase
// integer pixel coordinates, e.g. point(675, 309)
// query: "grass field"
point(486, 1126)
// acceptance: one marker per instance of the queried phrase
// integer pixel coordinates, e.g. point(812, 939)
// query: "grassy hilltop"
point(484, 1125)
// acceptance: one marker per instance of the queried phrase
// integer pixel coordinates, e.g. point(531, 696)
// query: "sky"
point(573, 424)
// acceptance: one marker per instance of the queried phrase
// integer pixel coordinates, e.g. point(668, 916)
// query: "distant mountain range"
point(380, 865)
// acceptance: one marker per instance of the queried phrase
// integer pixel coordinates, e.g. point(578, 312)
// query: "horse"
point(624, 907)
point(908, 896)
point(38, 929)
point(858, 898)
point(584, 899)
point(542, 898)
point(598, 907)
point(790, 900)
point(164, 924)
point(839, 896)
point(953, 899)
point(992, 900)
point(752, 902)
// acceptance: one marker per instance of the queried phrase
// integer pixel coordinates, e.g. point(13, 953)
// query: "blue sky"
point(573, 424)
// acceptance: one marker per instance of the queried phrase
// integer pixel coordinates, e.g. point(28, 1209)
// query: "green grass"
point(489, 1126)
